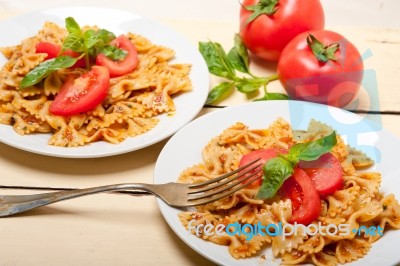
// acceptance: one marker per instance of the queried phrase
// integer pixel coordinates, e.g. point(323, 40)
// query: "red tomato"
point(82, 94)
point(306, 78)
point(306, 203)
point(267, 35)
point(264, 155)
point(325, 173)
point(53, 50)
point(124, 66)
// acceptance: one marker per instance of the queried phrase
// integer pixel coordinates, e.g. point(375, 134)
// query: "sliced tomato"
point(124, 66)
point(53, 50)
point(306, 203)
point(264, 155)
point(82, 94)
point(326, 173)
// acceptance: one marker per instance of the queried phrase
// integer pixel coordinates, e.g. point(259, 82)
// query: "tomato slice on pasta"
point(53, 50)
point(326, 174)
point(306, 203)
point(82, 94)
point(124, 66)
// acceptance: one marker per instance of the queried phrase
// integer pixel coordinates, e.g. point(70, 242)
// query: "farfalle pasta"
point(358, 204)
point(131, 108)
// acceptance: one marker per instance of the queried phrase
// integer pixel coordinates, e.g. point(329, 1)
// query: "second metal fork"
point(174, 194)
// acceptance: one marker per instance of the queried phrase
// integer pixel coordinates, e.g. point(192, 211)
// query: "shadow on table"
point(81, 167)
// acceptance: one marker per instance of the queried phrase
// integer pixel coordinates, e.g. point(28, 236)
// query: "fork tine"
point(207, 198)
point(224, 182)
point(214, 180)
point(212, 192)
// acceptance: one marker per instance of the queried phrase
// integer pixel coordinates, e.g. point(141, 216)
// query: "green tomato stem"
point(271, 78)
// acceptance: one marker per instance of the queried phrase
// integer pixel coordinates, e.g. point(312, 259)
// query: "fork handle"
point(14, 204)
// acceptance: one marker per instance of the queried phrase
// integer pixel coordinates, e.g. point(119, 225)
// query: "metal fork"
point(174, 194)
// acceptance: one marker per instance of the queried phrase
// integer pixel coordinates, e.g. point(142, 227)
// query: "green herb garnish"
point(45, 68)
point(217, 60)
point(87, 43)
point(278, 169)
point(90, 43)
point(225, 65)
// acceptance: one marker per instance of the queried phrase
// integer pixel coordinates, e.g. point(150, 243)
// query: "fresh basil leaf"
point(217, 60)
point(219, 91)
point(241, 49)
point(91, 39)
point(45, 68)
point(99, 38)
point(273, 96)
point(237, 61)
point(238, 56)
point(247, 85)
point(72, 26)
point(112, 52)
point(105, 35)
point(276, 171)
point(75, 42)
point(311, 151)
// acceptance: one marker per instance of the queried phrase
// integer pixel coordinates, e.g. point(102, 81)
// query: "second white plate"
point(184, 150)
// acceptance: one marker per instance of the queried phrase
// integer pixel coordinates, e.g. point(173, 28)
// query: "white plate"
point(184, 150)
point(187, 104)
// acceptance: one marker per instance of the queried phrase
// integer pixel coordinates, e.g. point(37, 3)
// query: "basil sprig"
point(217, 60)
point(226, 65)
point(280, 168)
point(90, 42)
point(45, 68)
point(87, 43)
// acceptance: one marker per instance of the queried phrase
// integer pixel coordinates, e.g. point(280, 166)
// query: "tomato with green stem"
point(321, 66)
point(267, 26)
